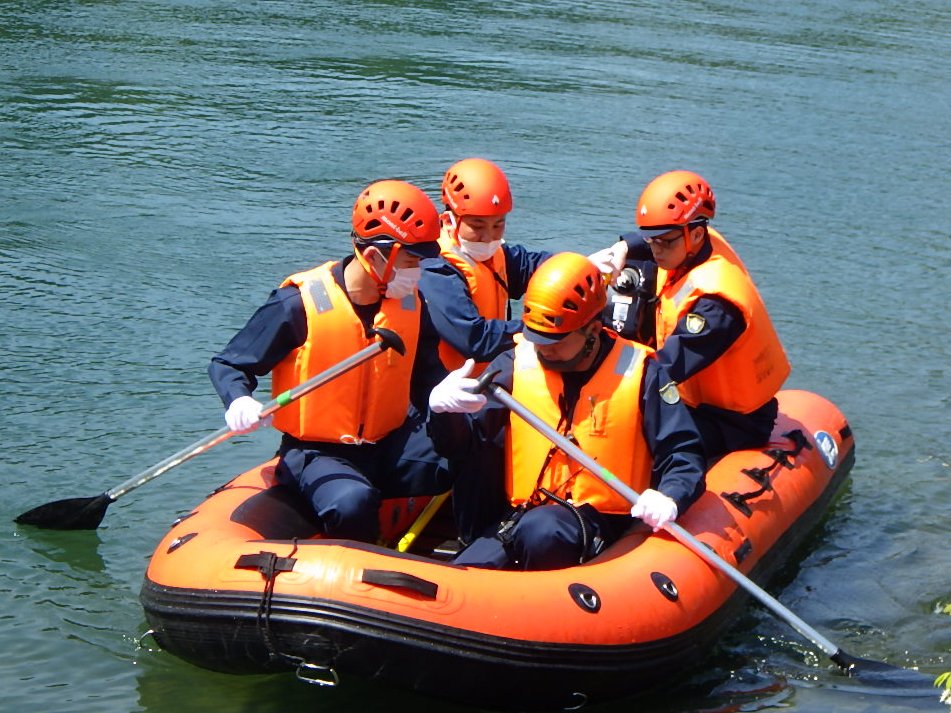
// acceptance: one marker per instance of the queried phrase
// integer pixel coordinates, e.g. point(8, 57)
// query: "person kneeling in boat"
point(469, 287)
point(607, 394)
point(467, 290)
point(357, 437)
point(713, 333)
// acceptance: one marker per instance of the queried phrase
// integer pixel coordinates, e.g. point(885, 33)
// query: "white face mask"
point(404, 282)
point(480, 252)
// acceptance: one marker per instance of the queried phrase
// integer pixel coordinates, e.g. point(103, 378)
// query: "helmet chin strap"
point(569, 364)
point(380, 280)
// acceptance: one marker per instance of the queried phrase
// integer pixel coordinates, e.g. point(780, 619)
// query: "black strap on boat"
point(782, 458)
point(269, 565)
point(401, 580)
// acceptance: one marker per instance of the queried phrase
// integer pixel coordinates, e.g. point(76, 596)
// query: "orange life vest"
point(755, 366)
point(606, 423)
point(483, 283)
point(365, 403)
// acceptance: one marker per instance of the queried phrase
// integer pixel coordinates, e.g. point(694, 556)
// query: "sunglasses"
point(662, 241)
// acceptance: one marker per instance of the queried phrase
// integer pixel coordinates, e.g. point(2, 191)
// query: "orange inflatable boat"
point(244, 584)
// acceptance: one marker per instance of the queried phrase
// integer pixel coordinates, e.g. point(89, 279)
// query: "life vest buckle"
point(351, 440)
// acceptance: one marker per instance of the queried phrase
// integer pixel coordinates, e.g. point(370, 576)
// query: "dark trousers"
point(725, 431)
point(345, 484)
point(545, 537)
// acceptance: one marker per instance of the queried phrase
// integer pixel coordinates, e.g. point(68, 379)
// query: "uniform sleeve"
point(679, 461)
point(428, 369)
point(455, 317)
point(277, 327)
point(520, 264)
point(686, 352)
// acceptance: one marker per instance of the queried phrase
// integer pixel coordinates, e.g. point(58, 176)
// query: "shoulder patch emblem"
point(669, 393)
point(695, 323)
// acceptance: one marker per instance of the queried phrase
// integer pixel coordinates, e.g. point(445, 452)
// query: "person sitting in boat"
point(358, 437)
point(468, 290)
point(713, 334)
point(608, 394)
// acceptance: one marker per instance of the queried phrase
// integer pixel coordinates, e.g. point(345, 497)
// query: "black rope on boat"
point(269, 565)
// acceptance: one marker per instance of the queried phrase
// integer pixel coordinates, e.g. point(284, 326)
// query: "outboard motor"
point(631, 300)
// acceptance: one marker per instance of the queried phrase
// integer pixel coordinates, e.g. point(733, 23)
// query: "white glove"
point(655, 509)
point(451, 396)
point(244, 415)
point(610, 261)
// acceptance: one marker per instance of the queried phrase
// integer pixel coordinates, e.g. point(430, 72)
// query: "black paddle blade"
point(883, 675)
point(68, 514)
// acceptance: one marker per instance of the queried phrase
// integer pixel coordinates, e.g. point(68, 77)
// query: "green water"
point(163, 165)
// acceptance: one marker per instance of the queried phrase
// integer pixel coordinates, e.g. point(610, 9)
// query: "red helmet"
point(475, 186)
point(564, 294)
point(675, 198)
point(397, 210)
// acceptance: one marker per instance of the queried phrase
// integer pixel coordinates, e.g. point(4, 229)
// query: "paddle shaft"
point(224, 433)
point(420, 524)
point(678, 532)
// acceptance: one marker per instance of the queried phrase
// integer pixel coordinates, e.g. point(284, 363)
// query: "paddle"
point(868, 670)
point(87, 513)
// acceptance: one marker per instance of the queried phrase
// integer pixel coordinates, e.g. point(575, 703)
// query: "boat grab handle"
point(400, 580)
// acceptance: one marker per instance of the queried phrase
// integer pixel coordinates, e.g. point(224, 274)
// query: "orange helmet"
point(399, 211)
point(564, 294)
point(475, 186)
point(675, 198)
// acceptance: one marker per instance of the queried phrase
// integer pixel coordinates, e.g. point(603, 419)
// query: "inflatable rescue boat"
point(244, 584)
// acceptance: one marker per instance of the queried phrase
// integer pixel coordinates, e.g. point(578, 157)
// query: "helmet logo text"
point(397, 229)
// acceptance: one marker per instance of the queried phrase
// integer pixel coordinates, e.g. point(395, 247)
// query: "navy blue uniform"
point(343, 482)
point(549, 536)
point(685, 353)
point(454, 314)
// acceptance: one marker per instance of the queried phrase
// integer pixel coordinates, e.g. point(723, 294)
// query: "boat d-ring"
point(317, 675)
point(140, 642)
point(580, 700)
